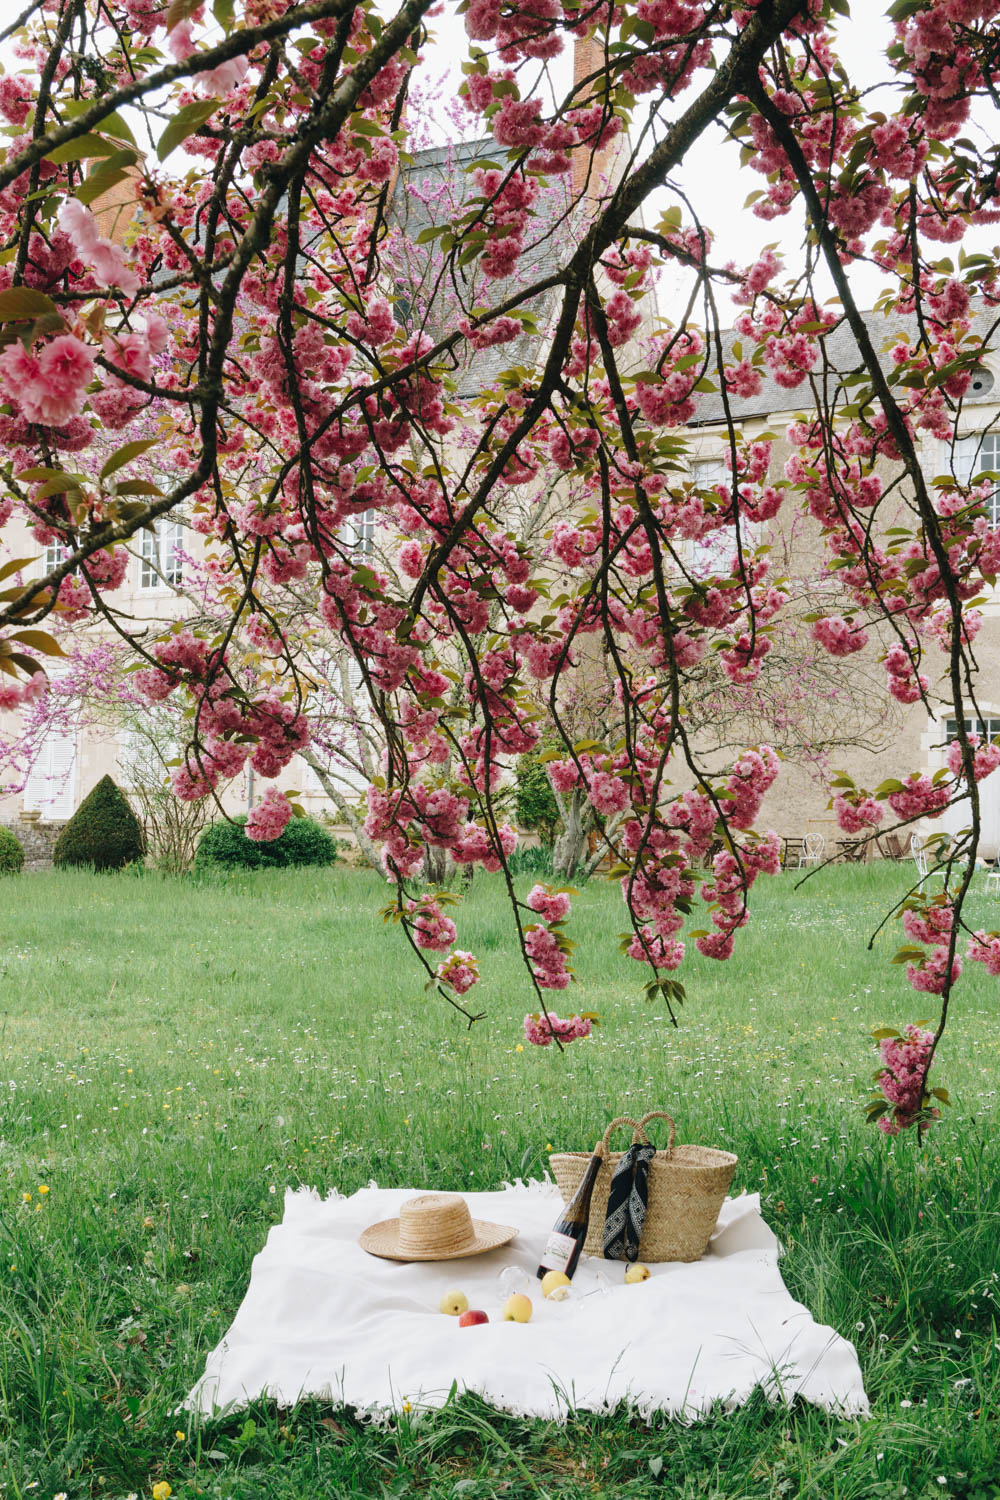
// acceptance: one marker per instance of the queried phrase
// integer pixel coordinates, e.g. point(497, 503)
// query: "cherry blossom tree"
point(244, 297)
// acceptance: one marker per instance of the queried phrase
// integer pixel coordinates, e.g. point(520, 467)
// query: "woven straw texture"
point(434, 1226)
point(687, 1186)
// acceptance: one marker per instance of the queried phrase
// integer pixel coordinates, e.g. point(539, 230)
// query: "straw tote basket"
point(687, 1185)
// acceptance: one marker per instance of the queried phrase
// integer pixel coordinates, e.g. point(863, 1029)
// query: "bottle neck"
point(593, 1167)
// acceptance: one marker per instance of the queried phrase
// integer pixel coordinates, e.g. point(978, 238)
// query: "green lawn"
point(176, 1053)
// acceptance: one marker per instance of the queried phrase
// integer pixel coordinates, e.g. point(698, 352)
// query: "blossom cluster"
point(542, 1030)
point(901, 1078)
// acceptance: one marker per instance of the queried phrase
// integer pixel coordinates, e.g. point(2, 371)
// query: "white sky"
point(710, 175)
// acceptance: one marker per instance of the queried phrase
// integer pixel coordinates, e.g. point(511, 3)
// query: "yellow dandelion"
point(42, 1189)
point(162, 1490)
point(180, 1436)
point(25, 1197)
point(519, 1048)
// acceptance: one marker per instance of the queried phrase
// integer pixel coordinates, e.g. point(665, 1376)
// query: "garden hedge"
point(225, 846)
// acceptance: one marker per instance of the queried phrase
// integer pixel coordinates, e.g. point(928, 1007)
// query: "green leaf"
point(113, 124)
point(32, 476)
point(102, 179)
point(14, 565)
point(63, 485)
point(180, 10)
point(125, 455)
point(39, 640)
point(19, 303)
point(81, 149)
point(185, 122)
point(137, 487)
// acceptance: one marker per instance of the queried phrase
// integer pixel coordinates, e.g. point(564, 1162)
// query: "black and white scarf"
point(627, 1201)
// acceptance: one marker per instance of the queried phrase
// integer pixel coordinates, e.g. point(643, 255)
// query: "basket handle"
point(659, 1114)
point(638, 1134)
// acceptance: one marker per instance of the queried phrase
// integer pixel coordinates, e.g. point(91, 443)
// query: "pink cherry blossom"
point(268, 819)
point(542, 1030)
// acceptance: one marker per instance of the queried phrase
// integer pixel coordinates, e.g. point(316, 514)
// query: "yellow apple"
point(555, 1285)
point(517, 1309)
point(636, 1272)
point(453, 1303)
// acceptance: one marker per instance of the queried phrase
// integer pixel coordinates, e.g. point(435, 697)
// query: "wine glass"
point(513, 1279)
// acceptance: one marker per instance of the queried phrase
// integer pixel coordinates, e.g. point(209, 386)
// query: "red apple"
point(471, 1317)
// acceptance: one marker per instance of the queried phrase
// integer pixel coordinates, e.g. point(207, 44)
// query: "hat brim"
point(382, 1239)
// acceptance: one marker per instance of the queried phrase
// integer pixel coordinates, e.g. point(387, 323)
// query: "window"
point(53, 556)
point(141, 756)
point(712, 553)
point(987, 729)
point(161, 548)
point(359, 533)
point(975, 455)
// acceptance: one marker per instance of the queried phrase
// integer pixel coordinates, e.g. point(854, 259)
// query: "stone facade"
point(37, 839)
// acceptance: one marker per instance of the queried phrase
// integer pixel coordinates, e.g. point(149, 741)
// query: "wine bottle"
point(564, 1244)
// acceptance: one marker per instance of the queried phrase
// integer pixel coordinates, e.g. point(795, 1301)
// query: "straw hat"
point(435, 1226)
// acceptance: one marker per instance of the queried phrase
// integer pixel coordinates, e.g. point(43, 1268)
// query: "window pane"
point(712, 553)
point(975, 454)
point(161, 564)
point(359, 533)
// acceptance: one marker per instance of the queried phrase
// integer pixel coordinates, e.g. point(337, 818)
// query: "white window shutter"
point(51, 784)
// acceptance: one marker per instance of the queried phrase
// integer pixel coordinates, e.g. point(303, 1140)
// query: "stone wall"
point(38, 840)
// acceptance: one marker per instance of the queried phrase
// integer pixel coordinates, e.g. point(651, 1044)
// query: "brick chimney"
point(591, 169)
point(116, 209)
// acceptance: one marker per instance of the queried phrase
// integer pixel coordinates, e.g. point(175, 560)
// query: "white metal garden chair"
point(919, 853)
point(812, 849)
point(993, 876)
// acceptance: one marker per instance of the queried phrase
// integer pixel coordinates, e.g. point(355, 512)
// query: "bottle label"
point(558, 1251)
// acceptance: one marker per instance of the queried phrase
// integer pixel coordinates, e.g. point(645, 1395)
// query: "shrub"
point(104, 832)
point(11, 853)
point(535, 800)
point(225, 846)
point(535, 860)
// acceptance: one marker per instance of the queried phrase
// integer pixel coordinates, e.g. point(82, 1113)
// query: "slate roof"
point(446, 171)
point(841, 357)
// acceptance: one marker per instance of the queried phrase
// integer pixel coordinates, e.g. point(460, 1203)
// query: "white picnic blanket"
point(322, 1318)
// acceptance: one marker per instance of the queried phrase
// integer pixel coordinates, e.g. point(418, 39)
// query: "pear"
point(636, 1272)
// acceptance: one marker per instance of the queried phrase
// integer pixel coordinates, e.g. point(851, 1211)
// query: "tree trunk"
point(435, 865)
point(610, 829)
point(346, 811)
point(571, 843)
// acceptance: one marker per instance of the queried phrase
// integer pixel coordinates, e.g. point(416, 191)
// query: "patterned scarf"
point(627, 1200)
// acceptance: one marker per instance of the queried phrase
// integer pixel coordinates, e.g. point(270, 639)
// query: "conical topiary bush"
point(104, 832)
